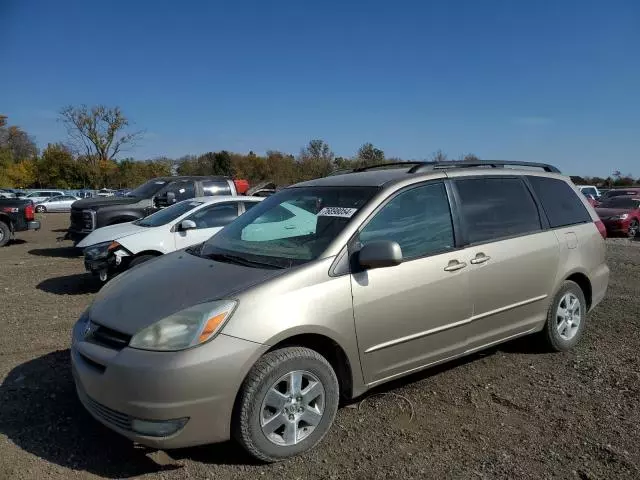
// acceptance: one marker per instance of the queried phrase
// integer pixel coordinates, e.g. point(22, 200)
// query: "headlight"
point(100, 250)
point(623, 216)
point(187, 328)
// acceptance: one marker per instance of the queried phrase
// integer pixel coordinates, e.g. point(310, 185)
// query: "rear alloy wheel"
point(634, 229)
point(41, 209)
point(566, 318)
point(287, 404)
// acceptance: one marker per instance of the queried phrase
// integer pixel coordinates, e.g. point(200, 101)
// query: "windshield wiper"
point(225, 257)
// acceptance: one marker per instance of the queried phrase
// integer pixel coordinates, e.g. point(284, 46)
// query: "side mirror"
point(187, 225)
point(380, 254)
point(171, 198)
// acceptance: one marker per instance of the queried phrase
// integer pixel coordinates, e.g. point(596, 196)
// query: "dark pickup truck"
point(91, 213)
point(16, 216)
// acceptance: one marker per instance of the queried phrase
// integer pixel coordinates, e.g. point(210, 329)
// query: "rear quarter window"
point(560, 202)
point(497, 208)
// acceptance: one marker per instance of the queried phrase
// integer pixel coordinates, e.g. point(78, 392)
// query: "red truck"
point(16, 215)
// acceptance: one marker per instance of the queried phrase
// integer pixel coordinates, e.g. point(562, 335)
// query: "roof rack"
point(384, 165)
point(428, 166)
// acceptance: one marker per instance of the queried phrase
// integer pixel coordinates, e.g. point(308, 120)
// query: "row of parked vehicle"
point(251, 318)
point(619, 209)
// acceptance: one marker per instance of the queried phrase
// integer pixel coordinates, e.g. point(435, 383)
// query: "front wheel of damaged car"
point(286, 404)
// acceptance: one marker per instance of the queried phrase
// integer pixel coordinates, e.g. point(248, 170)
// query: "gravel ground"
point(511, 412)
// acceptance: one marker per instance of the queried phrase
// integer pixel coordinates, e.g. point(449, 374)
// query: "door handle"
point(480, 258)
point(289, 227)
point(454, 265)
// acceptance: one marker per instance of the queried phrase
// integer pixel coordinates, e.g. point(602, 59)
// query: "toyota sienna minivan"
point(259, 332)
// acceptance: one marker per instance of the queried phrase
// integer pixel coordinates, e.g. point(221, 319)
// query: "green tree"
point(15, 144)
point(315, 160)
point(369, 155)
point(57, 168)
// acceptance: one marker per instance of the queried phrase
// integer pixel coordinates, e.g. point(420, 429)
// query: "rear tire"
point(5, 234)
point(634, 229)
point(566, 318)
point(278, 416)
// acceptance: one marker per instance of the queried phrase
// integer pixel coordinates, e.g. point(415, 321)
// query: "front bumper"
point(108, 265)
point(117, 386)
point(33, 225)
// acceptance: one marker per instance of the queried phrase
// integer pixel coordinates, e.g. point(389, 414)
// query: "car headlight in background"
point(623, 216)
point(100, 250)
point(185, 329)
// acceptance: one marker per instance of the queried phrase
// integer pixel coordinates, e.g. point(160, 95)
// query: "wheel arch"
point(585, 285)
point(329, 349)
point(121, 219)
point(155, 253)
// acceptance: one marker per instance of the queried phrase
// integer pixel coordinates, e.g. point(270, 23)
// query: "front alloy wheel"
point(292, 408)
point(286, 404)
point(40, 209)
point(634, 229)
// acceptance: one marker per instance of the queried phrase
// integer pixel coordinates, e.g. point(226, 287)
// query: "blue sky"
point(554, 81)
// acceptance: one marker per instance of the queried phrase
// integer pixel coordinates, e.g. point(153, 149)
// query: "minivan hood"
point(112, 232)
point(97, 202)
point(167, 284)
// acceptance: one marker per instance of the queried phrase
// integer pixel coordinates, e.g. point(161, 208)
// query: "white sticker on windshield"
point(337, 212)
point(160, 182)
point(182, 190)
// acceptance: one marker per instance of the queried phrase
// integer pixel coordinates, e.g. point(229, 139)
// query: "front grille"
point(82, 220)
point(108, 337)
point(108, 415)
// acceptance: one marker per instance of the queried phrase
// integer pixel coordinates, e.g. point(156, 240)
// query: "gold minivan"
point(331, 287)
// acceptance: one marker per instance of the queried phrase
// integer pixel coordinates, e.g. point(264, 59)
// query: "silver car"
point(329, 288)
point(59, 203)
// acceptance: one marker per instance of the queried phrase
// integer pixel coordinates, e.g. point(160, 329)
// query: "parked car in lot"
point(6, 193)
point(589, 190)
point(16, 215)
point(621, 215)
point(111, 250)
point(92, 213)
point(42, 195)
point(619, 192)
point(59, 203)
point(258, 338)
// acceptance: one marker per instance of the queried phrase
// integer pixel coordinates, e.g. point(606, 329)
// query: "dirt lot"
point(512, 412)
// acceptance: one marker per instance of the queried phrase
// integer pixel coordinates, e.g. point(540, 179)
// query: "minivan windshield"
point(292, 227)
point(168, 214)
point(621, 202)
point(147, 190)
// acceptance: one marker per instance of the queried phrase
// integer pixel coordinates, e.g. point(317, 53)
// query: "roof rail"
point(341, 171)
point(427, 166)
point(389, 164)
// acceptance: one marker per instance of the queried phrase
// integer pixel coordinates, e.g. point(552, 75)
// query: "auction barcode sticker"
point(337, 212)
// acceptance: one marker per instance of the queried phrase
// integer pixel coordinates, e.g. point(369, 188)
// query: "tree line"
point(98, 136)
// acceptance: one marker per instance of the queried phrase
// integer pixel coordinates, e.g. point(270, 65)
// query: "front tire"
point(286, 404)
point(141, 259)
point(41, 209)
point(634, 229)
point(566, 318)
